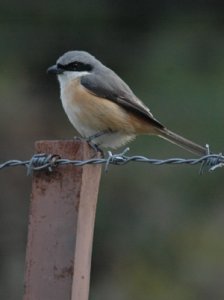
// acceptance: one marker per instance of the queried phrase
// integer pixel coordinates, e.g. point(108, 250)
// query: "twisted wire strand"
point(50, 161)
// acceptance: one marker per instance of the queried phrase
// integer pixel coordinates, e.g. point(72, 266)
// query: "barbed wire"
point(50, 161)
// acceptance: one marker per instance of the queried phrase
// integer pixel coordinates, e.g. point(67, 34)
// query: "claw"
point(96, 148)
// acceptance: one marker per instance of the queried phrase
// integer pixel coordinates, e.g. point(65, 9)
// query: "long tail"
point(182, 142)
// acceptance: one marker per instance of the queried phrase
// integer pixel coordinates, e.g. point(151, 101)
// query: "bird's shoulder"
point(110, 86)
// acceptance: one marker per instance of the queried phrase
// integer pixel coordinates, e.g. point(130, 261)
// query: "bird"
point(103, 108)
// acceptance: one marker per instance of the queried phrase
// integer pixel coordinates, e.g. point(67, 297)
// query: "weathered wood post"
point(61, 225)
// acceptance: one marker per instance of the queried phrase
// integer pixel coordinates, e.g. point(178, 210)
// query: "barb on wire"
point(50, 161)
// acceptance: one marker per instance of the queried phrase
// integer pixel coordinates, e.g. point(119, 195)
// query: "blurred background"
point(159, 229)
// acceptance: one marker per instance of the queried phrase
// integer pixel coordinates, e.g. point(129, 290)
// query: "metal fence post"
point(61, 224)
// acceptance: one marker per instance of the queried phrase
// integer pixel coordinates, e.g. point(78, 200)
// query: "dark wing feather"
point(116, 90)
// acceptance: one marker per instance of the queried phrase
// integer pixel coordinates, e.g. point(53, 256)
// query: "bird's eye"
point(77, 66)
point(74, 65)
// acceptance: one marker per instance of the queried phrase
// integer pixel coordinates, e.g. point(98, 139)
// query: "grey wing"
point(113, 88)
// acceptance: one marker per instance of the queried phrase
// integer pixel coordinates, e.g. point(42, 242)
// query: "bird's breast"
point(90, 114)
point(75, 103)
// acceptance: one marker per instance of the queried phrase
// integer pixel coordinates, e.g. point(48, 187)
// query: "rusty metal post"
point(61, 224)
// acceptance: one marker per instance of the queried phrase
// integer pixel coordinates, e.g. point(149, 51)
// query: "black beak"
point(55, 70)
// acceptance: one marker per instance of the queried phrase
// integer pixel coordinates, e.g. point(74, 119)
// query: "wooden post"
point(61, 224)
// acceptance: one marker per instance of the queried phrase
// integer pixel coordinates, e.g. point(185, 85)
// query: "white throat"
point(66, 77)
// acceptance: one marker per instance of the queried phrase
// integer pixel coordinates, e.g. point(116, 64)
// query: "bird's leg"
point(94, 136)
point(97, 134)
point(96, 148)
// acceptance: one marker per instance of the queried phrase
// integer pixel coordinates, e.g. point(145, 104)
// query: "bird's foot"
point(94, 146)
